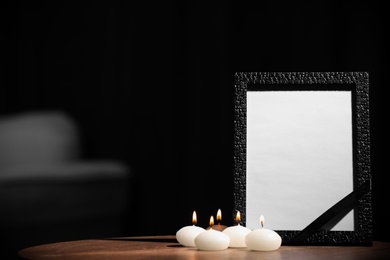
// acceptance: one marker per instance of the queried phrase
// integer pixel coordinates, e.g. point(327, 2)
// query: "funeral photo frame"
point(302, 155)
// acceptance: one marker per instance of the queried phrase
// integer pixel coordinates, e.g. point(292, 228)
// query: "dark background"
point(151, 85)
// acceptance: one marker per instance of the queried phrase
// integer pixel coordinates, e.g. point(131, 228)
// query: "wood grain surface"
point(166, 247)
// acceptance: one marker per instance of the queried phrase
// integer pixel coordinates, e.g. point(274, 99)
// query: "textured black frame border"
point(362, 234)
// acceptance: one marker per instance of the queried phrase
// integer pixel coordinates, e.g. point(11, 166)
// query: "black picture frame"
point(316, 233)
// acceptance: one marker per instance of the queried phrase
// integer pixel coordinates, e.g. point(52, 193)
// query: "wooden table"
point(166, 247)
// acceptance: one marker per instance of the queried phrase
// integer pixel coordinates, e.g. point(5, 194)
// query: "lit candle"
point(263, 239)
point(218, 227)
point(186, 235)
point(212, 239)
point(237, 233)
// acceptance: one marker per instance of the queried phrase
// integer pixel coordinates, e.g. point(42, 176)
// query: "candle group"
point(238, 236)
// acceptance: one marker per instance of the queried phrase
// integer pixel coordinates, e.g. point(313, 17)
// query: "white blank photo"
point(299, 157)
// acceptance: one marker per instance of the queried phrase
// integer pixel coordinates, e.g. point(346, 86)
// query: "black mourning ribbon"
point(334, 214)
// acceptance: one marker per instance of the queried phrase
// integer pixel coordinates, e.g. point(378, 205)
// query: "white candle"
point(237, 233)
point(211, 239)
point(186, 235)
point(263, 239)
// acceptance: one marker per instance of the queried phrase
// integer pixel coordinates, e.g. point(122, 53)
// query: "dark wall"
point(152, 85)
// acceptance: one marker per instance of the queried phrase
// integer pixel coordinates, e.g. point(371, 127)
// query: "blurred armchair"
point(47, 192)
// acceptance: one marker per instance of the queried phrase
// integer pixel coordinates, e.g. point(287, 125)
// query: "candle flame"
point(194, 220)
point(211, 221)
point(262, 221)
point(219, 215)
point(238, 217)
